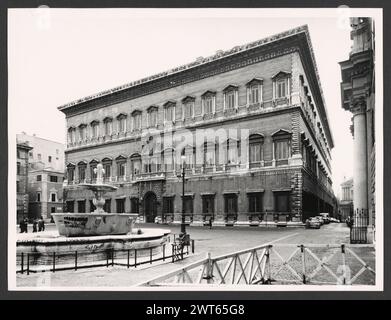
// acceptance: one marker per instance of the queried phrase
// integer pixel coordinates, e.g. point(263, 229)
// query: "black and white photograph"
point(197, 149)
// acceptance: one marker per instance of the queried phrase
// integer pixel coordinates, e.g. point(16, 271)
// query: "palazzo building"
point(249, 125)
point(358, 97)
point(22, 196)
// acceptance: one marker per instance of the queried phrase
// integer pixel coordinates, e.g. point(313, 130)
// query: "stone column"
point(360, 181)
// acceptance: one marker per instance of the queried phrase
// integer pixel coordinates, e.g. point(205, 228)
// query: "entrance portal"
point(150, 207)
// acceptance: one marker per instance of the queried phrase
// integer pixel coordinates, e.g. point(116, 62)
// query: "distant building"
point(346, 201)
point(45, 193)
point(45, 154)
point(358, 97)
point(46, 176)
point(22, 197)
point(275, 165)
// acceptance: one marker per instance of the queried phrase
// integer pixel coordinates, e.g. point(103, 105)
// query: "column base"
point(371, 234)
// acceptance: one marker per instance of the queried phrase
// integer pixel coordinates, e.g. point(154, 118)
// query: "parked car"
point(158, 220)
point(321, 220)
point(325, 216)
point(312, 222)
point(334, 220)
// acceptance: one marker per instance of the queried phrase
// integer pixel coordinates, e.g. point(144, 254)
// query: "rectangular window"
point(71, 174)
point(188, 203)
point(120, 205)
point(230, 100)
point(137, 121)
point(95, 131)
point(17, 186)
point(281, 149)
point(208, 204)
point(81, 206)
point(122, 125)
point(70, 206)
point(82, 173)
point(38, 197)
point(255, 202)
point(53, 197)
point(255, 152)
point(92, 207)
point(232, 155)
point(152, 118)
point(50, 158)
point(53, 178)
point(281, 89)
point(208, 105)
point(231, 204)
point(254, 94)
point(108, 128)
point(281, 201)
point(209, 157)
point(18, 168)
point(134, 205)
point(188, 110)
point(107, 206)
point(39, 177)
point(107, 168)
point(136, 167)
point(168, 205)
point(169, 111)
point(121, 169)
point(92, 171)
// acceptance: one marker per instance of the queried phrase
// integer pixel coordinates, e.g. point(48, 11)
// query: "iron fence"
point(358, 223)
point(33, 262)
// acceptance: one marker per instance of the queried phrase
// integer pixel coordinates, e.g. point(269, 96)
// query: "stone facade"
point(358, 97)
point(22, 197)
point(264, 138)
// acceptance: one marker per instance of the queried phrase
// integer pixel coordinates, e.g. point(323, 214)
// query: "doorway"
point(150, 207)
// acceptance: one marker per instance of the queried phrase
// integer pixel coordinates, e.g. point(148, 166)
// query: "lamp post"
point(183, 224)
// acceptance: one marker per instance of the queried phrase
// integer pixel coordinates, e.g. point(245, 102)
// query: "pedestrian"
point(42, 224)
point(210, 223)
point(35, 222)
point(25, 225)
point(21, 225)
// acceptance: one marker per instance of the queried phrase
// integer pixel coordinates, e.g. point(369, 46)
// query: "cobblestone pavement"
point(217, 241)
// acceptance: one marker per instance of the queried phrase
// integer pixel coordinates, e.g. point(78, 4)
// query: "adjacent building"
point(46, 176)
point(346, 200)
point(358, 97)
point(249, 125)
point(22, 197)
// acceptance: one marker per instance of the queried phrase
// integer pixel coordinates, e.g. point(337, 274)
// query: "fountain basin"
point(94, 224)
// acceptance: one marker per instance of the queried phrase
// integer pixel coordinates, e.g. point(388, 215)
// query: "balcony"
point(150, 176)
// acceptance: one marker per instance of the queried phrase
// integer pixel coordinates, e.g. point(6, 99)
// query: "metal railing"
point(33, 262)
point(278, 264)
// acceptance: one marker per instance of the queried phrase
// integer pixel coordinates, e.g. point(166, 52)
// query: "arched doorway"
point(150, 207)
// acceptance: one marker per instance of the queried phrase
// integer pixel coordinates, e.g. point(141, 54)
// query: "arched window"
point(136, 164)
point(71, 135)
point(189, 153)
point(208, 102)
point(281, 85)
point(232, 147)
point(188, 108)
point(230, 97)
point(168, 159)
point(70, 172)
point(209, 154)
point(83, 132)
point(107, 163)
point(282, 146)
point(254, 91)
point(81, 168)
point(169, 112)
point(93, 164)
point(121, 168)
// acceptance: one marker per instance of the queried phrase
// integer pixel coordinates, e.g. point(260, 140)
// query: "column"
point(360, 181)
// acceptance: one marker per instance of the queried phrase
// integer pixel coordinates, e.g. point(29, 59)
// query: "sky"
point(59, 55)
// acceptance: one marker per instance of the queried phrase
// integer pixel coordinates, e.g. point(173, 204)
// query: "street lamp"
point(183, 224)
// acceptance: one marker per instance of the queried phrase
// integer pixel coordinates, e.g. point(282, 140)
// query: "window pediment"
point(231, 87)
point(135, 156)
point(121, 116)
point(281, 75)
point(83, 125)
point(188, 99)
point(136, 113)
point(281, 134)
point(107, 159)
point(254, 81)
point(152, 108)
point(82, 163)
point(107, 119)
point(121, 157)
point(208, 93)
point(71, 129)
point(94, 161)
point(71, 165)
point(169, 103)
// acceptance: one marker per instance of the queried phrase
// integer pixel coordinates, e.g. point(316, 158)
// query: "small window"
point(53, 179)
point(231, 204)
point(230, 100)
point(17, 186)
point(53, 197)
point(168, 205)
point(120, 205)
point(137, 121)
point(38, 197)
point(121, 169)
point(208, 204)
point(50, 158)
point(39, 177)
point(281, 201)
point(18, 168)
point(108, 127)
point(81, 206)
point(188, 203)
point(281, 88)
point(152, 117)
point(134, 205)
point(254, 202)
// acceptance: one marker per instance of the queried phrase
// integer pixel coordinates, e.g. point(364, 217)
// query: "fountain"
point(98, 222)
point(90, 235)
